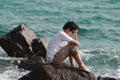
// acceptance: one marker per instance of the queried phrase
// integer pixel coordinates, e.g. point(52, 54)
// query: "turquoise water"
point(99, 36)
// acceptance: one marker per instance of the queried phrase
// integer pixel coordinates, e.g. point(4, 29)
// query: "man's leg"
point(61, 55)
point(72, 60)
point(75, 53)
point(69, 50)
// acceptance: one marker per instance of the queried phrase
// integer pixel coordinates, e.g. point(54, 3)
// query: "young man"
point(62, 45)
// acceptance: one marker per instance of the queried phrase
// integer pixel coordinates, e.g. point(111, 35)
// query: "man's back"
point(58, 41)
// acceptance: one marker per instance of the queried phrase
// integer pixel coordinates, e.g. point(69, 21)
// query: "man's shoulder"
point(62, 32)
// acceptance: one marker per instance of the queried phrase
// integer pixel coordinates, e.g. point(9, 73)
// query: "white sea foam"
point(12, 73)
point(104, 62)
point(9, 67)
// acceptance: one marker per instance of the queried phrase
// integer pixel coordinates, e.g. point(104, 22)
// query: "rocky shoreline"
point(23, 42)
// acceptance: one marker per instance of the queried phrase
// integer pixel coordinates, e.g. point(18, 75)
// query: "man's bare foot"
point(85, 68)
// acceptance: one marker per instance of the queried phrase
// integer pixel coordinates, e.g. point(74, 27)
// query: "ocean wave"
point(104, 18)
point(104, 62)
point(92, 33)
point(98, 34)
point(10, 61)
point(3, 30)
point(7, 61)
point(12, 73)
point(113, 1)
point(102, 57)
point(86, 30)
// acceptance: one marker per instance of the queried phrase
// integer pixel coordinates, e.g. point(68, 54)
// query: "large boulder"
point(22, 42)
point(57, 72)
point(40, 70)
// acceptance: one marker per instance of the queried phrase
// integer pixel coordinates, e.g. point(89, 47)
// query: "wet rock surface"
point(57, 72)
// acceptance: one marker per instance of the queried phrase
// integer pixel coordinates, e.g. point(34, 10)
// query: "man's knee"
point(74, 50)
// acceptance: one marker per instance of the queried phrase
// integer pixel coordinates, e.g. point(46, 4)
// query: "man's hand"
point(75, 35)
point(75, 31)
point(75, 41)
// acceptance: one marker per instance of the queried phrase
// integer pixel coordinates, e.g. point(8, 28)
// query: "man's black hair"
point(71, 25)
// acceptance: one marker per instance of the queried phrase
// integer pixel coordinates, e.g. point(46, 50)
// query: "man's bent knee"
point(74, 50)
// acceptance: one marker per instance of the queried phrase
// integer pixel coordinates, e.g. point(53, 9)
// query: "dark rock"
point(57, 72)
point(106, 78)
point(21, 42)
point(30, 64)
point(39, 46)
point(44, 71)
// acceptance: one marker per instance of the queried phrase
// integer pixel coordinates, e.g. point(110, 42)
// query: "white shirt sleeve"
point(65, 37)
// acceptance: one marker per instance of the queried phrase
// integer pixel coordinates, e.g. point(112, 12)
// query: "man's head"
point(70, 27)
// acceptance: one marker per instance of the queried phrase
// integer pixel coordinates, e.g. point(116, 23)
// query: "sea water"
point(99, 34)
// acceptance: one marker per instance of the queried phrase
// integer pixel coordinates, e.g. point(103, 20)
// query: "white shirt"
point(58, 41)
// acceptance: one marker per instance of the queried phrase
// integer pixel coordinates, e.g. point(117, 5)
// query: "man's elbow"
point(74, 42)
point(77, 43)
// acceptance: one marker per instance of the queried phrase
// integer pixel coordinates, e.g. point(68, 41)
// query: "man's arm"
point(75, 35)
point(75, 41)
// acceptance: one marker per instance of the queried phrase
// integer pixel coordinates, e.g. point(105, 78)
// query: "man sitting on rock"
point(62, 45)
